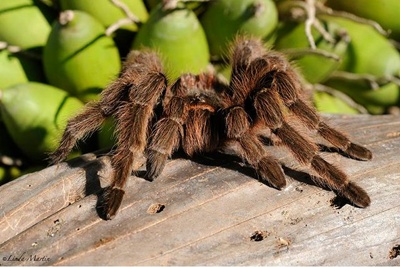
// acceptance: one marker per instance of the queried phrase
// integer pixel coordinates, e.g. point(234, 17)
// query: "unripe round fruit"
point(374, 100)
point(106, 136)
point(385, 12)
point(178, 37)
point(327, 103)
point(78, 57)
point(224, 19)
point(16, 68)
point(3, 175)
point(315, 68)
point(35, 115)
point(369, 51)
point(106, 12)
point(23, 24)
point(372, 54)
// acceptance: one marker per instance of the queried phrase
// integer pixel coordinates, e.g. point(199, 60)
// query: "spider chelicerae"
point(200, 114)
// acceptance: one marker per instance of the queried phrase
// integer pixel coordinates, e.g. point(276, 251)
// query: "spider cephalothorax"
point(199, 114)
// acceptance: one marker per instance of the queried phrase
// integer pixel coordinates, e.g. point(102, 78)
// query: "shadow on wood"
point(209, 213)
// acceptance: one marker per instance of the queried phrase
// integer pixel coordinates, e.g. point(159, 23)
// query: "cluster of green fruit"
point(364, 78)
point(56, 55)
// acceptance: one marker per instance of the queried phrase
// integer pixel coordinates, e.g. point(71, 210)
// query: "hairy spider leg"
point(243, 52)
point(268, 107)
point(78, 127)
point(95, 112)
point(271, 83)
point(187, 121)
point(279, 74)
point(166, 137)
point(168, 131)
point(237, 120)
point(238, 128)
point(133, 116)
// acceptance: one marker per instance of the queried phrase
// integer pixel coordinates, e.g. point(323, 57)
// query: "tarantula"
point(200, 113)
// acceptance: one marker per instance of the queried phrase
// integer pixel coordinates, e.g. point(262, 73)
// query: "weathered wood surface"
point(211, 212)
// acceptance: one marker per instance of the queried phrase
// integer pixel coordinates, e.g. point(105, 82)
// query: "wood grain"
point(212, 211)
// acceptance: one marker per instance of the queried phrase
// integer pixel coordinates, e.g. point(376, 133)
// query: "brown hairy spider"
point(199, 113)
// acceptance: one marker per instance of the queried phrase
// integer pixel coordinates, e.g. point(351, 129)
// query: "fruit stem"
point(310, 21)
point(258, 8)
point(130, 18)
point(9, 161)
point(324, 10)
point(298, 52)
point(172, 4)
point(66, 16)
point(10, 48)
point(342, 96)
point(374, 81)
point(13, 49)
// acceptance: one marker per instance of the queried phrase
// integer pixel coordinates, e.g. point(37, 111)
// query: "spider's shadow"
point(92, 168)
point(233, 162)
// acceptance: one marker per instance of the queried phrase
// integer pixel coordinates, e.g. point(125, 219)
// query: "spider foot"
point(155, 164)
point(358, 152)
point(356, 195)
point(56, 157)
point(271, 172)
point(109, 202)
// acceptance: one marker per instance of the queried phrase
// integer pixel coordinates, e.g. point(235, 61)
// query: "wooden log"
point(209, 211)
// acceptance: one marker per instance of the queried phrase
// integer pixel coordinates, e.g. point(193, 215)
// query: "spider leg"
point(77, 128)
point(287, 84)
point(133, 118)
point(251, 148)
point(95, 113)
point(131, 130)
point(137, 64)
point(169, 131)
point(166, 136)
point(313, 121)
point(188, 120)
point(243, 52)
point(267, 103)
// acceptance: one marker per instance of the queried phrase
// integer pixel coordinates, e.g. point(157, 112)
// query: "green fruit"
point(224, 19)
point(315, 67)
point(327, 103)
point(17, 68)
point(8, 174)
point(106, 12)
point(23, 24)
point(374, 100)
point(106, 137)
point(368, 52)
point(35, 115)
point(78, 57)
point(14, 172)
point(385, 12)
point(178, 37)
point(3, 175)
